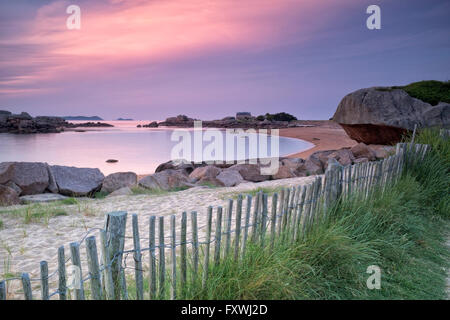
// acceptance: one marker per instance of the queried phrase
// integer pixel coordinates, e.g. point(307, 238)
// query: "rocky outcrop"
point(8, 197)
point(382, 115)
point(24, 123)
point(243, 122)
point(77, 182)
point(41, 198)
point(119, 180)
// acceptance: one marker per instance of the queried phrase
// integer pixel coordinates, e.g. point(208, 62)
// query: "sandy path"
point(25, 245)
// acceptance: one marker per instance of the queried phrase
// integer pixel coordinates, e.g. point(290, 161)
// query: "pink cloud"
point(153, 31)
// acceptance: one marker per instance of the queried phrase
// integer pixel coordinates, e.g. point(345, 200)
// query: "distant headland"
point(82, 118)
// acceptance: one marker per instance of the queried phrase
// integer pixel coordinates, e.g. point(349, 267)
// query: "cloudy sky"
point(149, 59)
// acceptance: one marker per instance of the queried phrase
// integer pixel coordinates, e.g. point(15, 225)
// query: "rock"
point(153, 124)
point(344, 156)
point(284, 172)
point(317, 162)
point(8, 197)
point(311, 167)
point(6, 171)
point(52, 186)
point(31, 177)
point(77, 182)
point(166, 180)
point(361, 160)
point(361, 150)
point(205, 174)
point(332, 162)
point(229, 178)
point(14, 186)
point(382, 115)
point(112, 161)
point(381, 151)
point(119, 180)
point(125, 191)
point(188, 167)
point(40, 198)
point(250, 172)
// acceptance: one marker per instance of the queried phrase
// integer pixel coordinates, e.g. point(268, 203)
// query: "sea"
point(139, 150)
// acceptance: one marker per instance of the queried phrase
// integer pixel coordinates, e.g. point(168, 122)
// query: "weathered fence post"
point(44, 280)
point(75, 255)
point(273, 220)
point(183, 251)
point(173, 249)
point(194, 245)
point(26, 285)
point(255, 217)
point(162, 259)
point(247, 222)
point(300, 203)
point(137, 259)
point(218, 236)
point(2, 290)
point(115, 240)
point(228, 228)
point(152, 262)
point(263, 219)
point(207, 246)
point(62, 288)
point(107, 274)
point(93, 267)
point(238, 227)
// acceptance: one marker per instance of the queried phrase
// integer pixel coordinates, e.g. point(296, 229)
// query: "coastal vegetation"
point(430, 91)
point(402, 230)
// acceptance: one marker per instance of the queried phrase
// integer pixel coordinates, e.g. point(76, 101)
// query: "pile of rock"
point(243, 120)
point(24, 123)
point(34, 181)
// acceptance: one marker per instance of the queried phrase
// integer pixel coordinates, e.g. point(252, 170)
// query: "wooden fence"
point(180, 260)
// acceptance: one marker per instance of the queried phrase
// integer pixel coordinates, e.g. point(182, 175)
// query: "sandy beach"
point(24, 244)
point(326, 135)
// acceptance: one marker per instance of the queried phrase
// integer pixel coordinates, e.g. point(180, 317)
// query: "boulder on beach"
point(41, 198)
point(381, 115)
point(30, 177)
point(119, 180)
point(344, 156)
point(205, 174)
point(77, 182)
point(229, 178)
point(125, 191)
point(8, 197)
point(250, 172)
point(166, 180)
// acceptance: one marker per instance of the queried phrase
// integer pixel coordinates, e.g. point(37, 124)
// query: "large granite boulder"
point(229, 178)
point(250, 172)
point(77, 182)
point(344, 156)
point(30, 177)
point(382, 115)
point(187, 167)
point(205, 174)
point(166, 180)
point(8, 197)
point(119, 180)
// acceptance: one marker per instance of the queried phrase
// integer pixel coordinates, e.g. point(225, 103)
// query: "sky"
point(151, 59)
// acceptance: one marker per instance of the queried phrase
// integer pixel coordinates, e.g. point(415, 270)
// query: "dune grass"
point(402, 230)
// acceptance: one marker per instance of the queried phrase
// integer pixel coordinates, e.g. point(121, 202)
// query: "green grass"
point(137, 190)
point(253, 192)
point(36, 212)
point(402, 230)
point(430, 91)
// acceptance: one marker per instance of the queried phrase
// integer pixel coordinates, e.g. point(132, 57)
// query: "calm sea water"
point(139, 150)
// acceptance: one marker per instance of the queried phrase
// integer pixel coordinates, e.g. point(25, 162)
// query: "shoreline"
point(323, 134)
